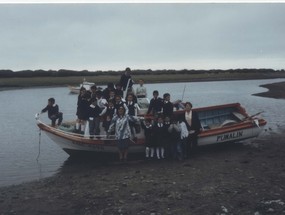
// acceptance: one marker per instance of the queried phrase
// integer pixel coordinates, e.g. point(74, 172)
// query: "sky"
point(113, 36)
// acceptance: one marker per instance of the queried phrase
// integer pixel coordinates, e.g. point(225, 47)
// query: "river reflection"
point(21, 143)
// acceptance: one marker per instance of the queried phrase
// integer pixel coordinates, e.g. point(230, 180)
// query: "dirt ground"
point(240, 178)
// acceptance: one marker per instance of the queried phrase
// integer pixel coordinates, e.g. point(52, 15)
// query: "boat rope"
point(40, 134)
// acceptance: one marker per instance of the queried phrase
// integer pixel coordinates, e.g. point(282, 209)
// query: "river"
point(21, 144)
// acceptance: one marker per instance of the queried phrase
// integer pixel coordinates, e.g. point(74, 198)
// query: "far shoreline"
point(275, 90)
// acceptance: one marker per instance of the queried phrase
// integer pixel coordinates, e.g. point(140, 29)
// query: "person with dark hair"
point(126, 79)
point(120, 102)
point(149, 138)
point(110, 112)
point(94, 113)
point(155, 105)
point(160, 136)
point(174, 133)
point(133, 108)
point(82, 110)
point(112, 96)
point(106, 91)
point(194, 127)
point(101, 101)
point(118, 90)
point(122, 131)
point(93, 90)
point(53, 112)
point(167, 107)
point(130, 92)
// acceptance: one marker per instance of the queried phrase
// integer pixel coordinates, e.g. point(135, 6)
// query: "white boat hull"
point(233, 136)
point(245, 128)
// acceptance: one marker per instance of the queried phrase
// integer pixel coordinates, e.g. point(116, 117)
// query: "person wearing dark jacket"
point(82, 110)
point(155, 105)
point(160, 136)
point(53, 112)
point(167, 107)
point(126, 79)
point(94, 113)
point(193, 124)
point(149, 138)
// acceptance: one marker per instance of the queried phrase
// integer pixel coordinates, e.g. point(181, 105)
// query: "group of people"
point(166, 134)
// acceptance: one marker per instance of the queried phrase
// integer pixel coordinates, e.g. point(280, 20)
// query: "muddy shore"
point(275, 90)
point(244, 178)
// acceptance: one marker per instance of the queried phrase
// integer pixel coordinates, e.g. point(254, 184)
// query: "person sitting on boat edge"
point(122, 131)
point(53, 112)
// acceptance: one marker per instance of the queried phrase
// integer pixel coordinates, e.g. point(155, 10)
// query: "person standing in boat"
point(118, 90)
point(122, 131)
point(106, 91)
point(126, 79)
point(133, 108)
point(82, 110)
point(141, 90)
point(93, 90)
point(119, 101)
point(110, 112)
point(53, 112)
point(94, 113)
point(167, 107)
point(155, 105)
point(194, 127)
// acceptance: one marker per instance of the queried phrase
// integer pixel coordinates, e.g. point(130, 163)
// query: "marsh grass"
point(148, 78)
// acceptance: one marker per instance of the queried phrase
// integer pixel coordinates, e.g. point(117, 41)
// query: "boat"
point(220, 124)
point(75, 89)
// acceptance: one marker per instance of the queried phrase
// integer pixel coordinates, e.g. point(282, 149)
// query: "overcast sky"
point(142, 36)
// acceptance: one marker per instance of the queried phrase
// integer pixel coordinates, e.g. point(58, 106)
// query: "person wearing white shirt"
point(141, 90)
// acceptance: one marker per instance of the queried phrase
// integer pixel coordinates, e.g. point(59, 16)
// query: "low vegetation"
point(28, 78)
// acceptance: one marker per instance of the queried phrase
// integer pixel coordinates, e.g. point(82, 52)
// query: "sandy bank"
point(275, 90)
